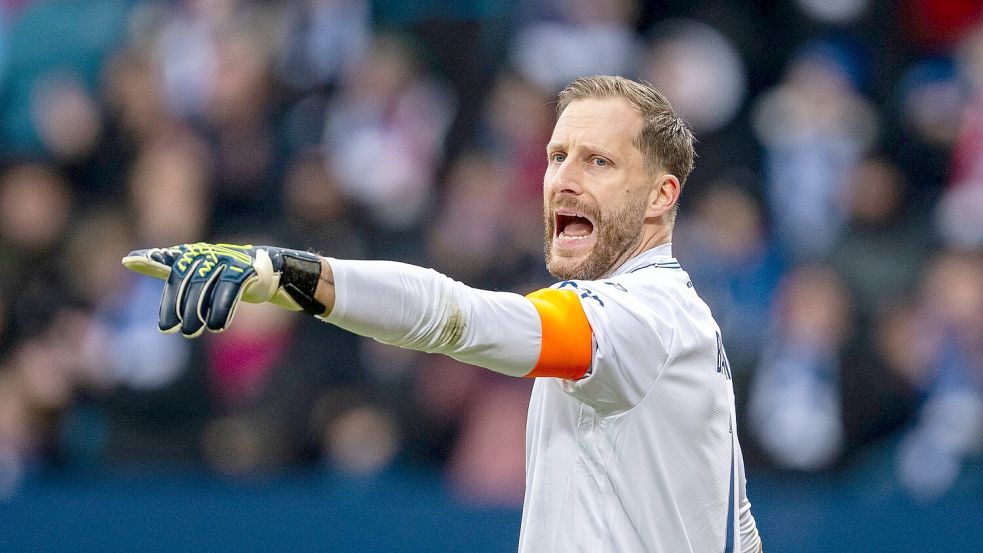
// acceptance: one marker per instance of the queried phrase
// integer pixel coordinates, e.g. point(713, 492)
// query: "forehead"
point(611, 122)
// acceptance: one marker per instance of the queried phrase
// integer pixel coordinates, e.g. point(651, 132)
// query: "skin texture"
point(595, 171)
point(324, 292)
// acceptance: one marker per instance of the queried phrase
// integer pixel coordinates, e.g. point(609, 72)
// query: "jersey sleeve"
point(632, 330)
point(421, 309)
point(603, 342)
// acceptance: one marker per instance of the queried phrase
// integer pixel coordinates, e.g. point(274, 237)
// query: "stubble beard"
point(618, 234)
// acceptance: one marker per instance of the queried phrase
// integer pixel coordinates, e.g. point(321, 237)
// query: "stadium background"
point(834, 223)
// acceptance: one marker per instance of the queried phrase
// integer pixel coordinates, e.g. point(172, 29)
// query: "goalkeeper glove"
point(204, 282)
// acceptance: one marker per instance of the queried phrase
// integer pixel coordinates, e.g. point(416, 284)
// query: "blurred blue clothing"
point(139, 356)
point(739, 291)
point(795, 404)
point(949, 429)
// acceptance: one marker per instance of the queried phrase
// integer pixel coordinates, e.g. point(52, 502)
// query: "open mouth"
point(572, 226)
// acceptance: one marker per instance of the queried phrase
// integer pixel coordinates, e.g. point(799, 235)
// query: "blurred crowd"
point(834, 221)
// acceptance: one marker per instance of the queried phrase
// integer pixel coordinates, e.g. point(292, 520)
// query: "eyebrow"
point(604, 152)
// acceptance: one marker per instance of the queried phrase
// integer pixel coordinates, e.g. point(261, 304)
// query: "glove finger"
point(192, 322)
point(171, 301)
point(208, 293)
point(151, 262)
point(225, 299)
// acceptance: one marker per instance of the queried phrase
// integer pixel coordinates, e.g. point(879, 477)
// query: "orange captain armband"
point(566, 349)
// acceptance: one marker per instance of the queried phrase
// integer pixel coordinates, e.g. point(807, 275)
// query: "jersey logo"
point(616, 286)
point(584, 292)
point(673, 264)
point(723, 365)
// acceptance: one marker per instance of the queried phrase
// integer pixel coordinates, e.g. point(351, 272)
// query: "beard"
point(618, 232)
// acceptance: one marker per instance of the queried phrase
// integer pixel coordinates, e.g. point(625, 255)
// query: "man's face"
point(595, 189)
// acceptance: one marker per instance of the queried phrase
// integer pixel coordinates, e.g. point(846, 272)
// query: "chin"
point(566, 267)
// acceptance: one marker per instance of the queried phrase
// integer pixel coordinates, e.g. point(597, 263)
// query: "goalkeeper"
point(631, 440)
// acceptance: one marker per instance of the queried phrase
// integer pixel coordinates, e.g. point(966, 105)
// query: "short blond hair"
point(666, 142)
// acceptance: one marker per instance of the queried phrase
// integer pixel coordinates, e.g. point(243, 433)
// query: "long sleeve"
point(421, 309)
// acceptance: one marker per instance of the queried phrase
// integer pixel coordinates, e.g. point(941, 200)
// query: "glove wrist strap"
point(299, 279)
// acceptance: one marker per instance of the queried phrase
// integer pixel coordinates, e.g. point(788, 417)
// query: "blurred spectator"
point(188, 52)
point(240, 129)
point(735, 265)
point(35, 208)
point(169, 193)
point(885, 243)
point(949, 427)
point(465, 42)
point(318, 215)
point(885, 360)
point(242, 366)
point(834, 11)
point(967, 167)
point(240, 361)
point(55, 37)
point(487, 465)
point(472, 240)
point(517, 123)
point(795, 406)
point(361, 439)
point(814, 126)
point(699, 70)
point(960, 215)
point(322, 40)
point(66, 118)
point(384, 134)
point(118, 348)
point(932, 102)
point(15, 433)
point(939, 24)
point(134, 97)
point(585, 37)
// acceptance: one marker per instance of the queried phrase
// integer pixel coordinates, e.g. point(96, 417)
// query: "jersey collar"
point(659, 255)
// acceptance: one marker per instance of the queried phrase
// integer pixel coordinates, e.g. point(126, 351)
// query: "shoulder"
point(654, 282)
point(638, 296)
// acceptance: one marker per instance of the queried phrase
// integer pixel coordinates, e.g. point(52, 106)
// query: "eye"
point(557, 157)
point(600, 162)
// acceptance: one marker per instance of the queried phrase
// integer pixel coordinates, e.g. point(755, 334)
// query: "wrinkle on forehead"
point(607, 121)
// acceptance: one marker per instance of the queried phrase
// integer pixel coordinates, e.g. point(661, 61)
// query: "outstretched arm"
point(543, 334)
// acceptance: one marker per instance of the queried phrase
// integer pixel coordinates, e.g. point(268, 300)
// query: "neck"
point(652, 237)
point(660, 234)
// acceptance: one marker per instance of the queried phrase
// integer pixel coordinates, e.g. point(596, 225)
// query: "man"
point(631, 440)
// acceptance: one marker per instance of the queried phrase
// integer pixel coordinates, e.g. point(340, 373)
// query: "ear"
point(663, 196)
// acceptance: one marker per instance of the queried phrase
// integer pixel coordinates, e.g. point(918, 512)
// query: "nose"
point(565, 178)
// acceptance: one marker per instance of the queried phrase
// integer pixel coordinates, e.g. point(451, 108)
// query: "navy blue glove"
point(205, 282)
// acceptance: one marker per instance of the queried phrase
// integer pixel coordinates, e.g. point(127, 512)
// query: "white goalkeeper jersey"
point(640, 455)
point(631, 441)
